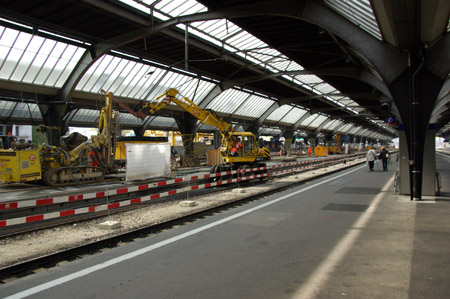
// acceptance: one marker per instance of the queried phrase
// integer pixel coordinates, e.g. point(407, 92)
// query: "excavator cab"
point(242, 148)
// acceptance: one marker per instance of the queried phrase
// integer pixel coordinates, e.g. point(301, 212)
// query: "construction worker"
point(236, 147)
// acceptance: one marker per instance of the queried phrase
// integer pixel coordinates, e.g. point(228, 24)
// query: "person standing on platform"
point(371, 157)
point(384, 156)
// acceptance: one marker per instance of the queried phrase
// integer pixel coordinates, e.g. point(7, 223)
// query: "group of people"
point(372, 156)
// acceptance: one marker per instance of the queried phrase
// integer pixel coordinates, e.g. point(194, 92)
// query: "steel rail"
point(28, 267)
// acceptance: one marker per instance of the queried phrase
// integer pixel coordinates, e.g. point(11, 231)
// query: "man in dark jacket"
point(384, 156)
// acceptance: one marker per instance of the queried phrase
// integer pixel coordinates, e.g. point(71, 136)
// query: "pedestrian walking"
point(371, 157)
point(384, 156)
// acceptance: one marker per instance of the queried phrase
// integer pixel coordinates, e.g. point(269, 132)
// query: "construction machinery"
point(238, 149)
point(60, 165)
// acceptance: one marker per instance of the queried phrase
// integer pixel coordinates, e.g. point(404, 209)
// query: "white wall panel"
point(147, 160)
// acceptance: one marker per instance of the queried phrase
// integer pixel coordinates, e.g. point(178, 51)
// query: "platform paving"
point(349, 238)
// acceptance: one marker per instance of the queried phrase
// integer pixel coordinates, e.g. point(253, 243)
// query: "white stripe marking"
point(84, 272)
point(311, 288)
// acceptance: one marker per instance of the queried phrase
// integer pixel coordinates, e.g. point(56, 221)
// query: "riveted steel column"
point(188, 129)
point(53, 116)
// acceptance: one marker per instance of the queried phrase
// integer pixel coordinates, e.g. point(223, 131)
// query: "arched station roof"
point(299, 66)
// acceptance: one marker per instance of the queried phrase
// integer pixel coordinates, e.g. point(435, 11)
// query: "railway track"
point(33, 214)
point(35, 226)
point(30, 266)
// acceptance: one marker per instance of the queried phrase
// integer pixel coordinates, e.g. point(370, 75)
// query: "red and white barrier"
point(295, 166)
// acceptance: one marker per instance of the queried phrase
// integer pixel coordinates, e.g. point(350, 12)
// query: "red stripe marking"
point(2, 223)
point(155, 196)
point(194, 188)
point(228, 172)
point(219, 183)
point(91, 209)
point(76, 197)
point(9, 205)
point(143, 187)
point(239, 179)
point(114, 205)
point(136, 200)
point(34, 218)
point(195, 177)
point(229, 181)
point(162, 183)
point(67, 213)
point(100, 194)
point(121, 191)
point(172, 192)
point(207, 176)
point(179, 180)
point(47, 201)
point(207, 185)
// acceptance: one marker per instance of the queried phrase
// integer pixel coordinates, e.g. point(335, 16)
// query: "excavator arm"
point(206, 117)
point(251, 153)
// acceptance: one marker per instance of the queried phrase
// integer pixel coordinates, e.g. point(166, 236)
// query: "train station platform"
point(347, 235)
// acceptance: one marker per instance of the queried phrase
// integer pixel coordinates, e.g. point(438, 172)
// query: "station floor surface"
point(396, 248)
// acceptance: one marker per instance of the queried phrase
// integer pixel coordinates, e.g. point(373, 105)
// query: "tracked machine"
point(61, 165)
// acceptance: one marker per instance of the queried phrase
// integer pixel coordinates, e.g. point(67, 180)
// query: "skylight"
point(359, 12)
point(231, 37)
point(33, 59)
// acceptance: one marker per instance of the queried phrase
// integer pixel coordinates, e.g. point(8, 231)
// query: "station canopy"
point(47, 59)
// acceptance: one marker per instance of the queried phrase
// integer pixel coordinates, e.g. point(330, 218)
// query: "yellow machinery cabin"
point(20, 166)
point(321, 151)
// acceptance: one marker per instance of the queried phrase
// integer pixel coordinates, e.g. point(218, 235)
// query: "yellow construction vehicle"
point(59, 165)
point(238, 149)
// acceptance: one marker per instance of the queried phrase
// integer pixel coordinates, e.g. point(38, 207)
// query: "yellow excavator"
point(238, 149)
point(89, 161)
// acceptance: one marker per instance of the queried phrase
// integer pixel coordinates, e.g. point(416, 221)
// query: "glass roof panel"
point(127, 78)
point(333, 125)
point(309, 79)
point(270, 132)
point(23, 110)
point(254, 106)
point(325, 88)
point(129, 119)
point(163, 122)
point(309, 120)
point(5, 108)
point(86, 116)
point(363, 132)
point(196, 90)
point(228, 101)
point(354, 130)
point(318, 121)
point(219, 29)
point(345, 128)
point(33, 59)
point(293, 116)
point(359, 12)
point(279, 113)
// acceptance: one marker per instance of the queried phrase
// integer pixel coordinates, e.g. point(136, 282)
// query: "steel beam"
point(266, 114)
point(350, 72)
